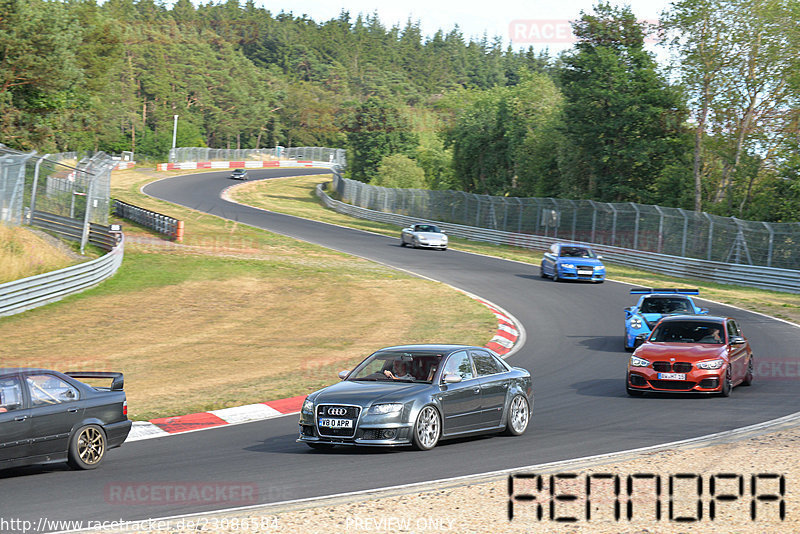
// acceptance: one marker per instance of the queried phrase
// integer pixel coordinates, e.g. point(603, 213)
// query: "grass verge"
point(236, 315)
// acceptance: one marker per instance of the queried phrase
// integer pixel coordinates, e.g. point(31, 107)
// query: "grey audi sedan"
point(417, 395)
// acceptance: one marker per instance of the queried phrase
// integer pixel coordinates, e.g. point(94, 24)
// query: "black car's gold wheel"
point(87, 447)
point(427, 429)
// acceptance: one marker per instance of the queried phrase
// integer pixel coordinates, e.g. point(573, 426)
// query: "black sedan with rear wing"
point(50, 417)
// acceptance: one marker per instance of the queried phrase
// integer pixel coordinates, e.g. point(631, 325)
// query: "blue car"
point(652, 306)
point(572, 261)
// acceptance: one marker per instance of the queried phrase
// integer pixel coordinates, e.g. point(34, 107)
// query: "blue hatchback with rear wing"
point(653, 304)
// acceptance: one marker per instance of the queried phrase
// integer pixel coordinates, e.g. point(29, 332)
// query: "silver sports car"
point(417, 395)
point(423, 235)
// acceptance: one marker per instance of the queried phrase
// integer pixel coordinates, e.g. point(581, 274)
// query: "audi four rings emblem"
point(337, 411)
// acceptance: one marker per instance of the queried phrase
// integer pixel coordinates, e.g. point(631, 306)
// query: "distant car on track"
point(571, 261)
point(654, 304)
point(50, 417)
point(417, 395)
point(423, 235)
point(691, 354)
point(239, 174)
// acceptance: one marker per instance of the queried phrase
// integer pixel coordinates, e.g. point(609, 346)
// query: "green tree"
point(623, 119)
point(398, 171)
point(374, 130)
point(40, 76)
point(739, 61)
point(504, 140)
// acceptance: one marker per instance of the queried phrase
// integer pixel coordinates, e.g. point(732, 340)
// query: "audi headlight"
point(308, 406)
point(385, 409)
point(599, 268)
point(711, 364)
point(639, 362)
point(636, 323)
point(568, 265)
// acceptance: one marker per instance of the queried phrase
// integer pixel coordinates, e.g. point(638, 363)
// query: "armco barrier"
point(21, 295)
point(73, 229)
point(163, 224)
point(190, 165)
point(726, 273)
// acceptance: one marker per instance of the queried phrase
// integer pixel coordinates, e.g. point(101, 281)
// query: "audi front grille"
point(338, 411)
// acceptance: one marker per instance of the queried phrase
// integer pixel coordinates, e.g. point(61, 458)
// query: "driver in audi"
point(400, 371)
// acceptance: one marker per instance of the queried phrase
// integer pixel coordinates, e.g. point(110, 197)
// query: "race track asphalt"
point(573, 348)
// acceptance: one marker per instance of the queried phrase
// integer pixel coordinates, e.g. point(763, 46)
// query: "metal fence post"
point(710, 235)
point(685, 231)
point(86, 216)
point(35, 185)
point(636, 227)
point(771, 242)
point(613, 224)
point(660, 229)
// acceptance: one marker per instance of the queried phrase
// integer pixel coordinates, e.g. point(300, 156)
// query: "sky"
point(538, 23)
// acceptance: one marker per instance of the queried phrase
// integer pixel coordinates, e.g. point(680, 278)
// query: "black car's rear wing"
point(668, 290)
point(117, 379)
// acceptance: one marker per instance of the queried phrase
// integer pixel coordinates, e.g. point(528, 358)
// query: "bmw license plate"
point(336, 423)
point(672, 376)
point(585, 273)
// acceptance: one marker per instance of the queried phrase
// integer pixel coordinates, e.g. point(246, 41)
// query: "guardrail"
point(163, 224)
point(27, 293)
point(786, 280)
point(74, 229)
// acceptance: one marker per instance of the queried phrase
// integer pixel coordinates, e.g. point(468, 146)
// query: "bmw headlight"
point(710, 364)
point(568, 265)
point(636, 323)
point(308, 406)
point(385, 409)
point(639, 362)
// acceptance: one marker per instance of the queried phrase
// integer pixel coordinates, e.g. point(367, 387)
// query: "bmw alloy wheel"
point(88, 447)
point(727, 384)
point(748, 379)
point(428, 429)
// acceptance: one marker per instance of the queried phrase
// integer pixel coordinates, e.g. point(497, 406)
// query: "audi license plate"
point(672, 376)
point(336, 423)
point(585, 273)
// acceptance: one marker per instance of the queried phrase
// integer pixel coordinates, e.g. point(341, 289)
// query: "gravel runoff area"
point(725, 465)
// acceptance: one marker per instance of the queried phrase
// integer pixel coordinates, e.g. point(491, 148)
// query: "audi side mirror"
point(343, 374)
point(452, 379)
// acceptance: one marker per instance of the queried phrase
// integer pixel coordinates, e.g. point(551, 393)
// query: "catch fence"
point(335, 156)
point(667, 231)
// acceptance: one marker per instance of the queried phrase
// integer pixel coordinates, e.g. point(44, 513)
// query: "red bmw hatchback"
point(691, 354)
